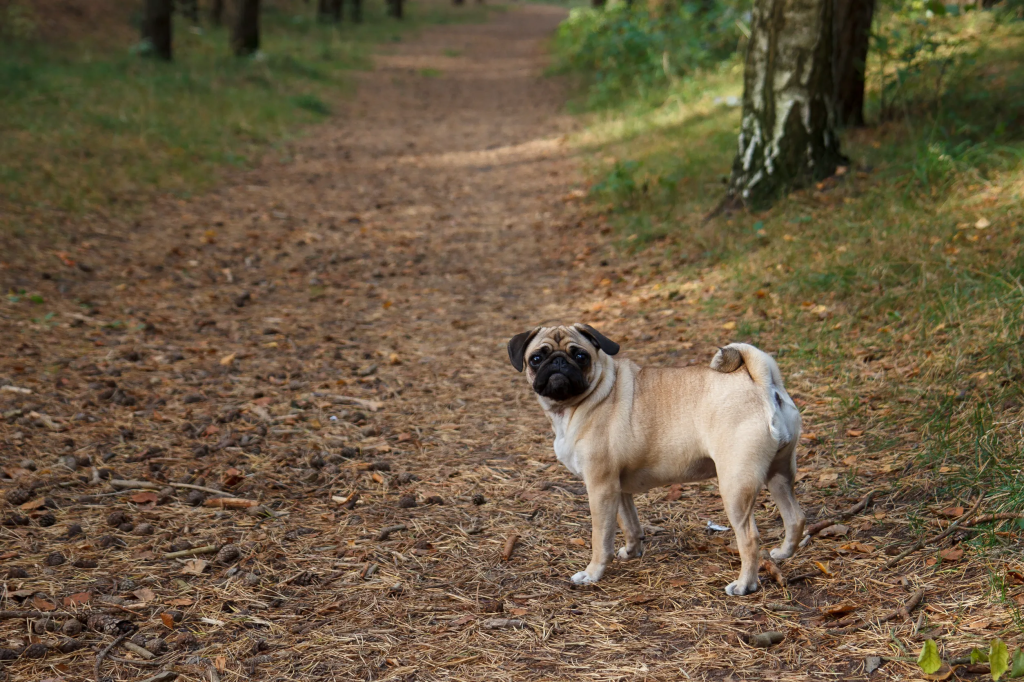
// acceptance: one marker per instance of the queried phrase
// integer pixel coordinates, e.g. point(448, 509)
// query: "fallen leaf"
point(809, 437)
point(220, 662)
point(850, 461)
point(147, 497)
point(8, 555)
point(227, 359)
point(952, 554)
point(674, 493)
point(836, 529)
point(181, 601)
point(462, 620)
point(37, 503)
point(951, 512)
point(194, 567)
point(42, 604)
point(982, 223)
point(979, 624)
point(729, 325)
point(678, 582)
point(823, 568)
point(839, 610)
point(943, 673)
point(519, 612)
point(77, 598)
point(859, 547)
point(854, 433)
point(168, 620)
point(232, 477)
point(577, 541)
point(144, 594)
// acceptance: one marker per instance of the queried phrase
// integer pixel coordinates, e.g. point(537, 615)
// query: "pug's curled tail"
point(783, 415)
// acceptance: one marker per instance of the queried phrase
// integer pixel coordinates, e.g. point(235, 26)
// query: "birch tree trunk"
point(787, 135)
point(245, 37)
point(852, 33)
point(156, 27)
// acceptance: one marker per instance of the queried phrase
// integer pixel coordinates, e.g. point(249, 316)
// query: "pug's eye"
point(535, 359)
point(580, 357)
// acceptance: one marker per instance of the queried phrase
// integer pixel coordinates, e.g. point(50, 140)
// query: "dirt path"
point(334, 326)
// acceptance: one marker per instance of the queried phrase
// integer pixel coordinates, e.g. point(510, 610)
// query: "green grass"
point(899, 284)
point(86, 127)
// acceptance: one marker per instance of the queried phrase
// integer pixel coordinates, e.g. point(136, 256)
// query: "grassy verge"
point(896, 289)
point(87, 126)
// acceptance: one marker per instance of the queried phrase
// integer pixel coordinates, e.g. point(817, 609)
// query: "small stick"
point(510, 546)
point(922, 542)
point(136, 649)
point(8, 615)
point(385, 533)
point(207, 549)
point(106, 650)
point(773, 570)
point(903, 611)
point(135, 661)
point(986, 518)
point(165, 676)
point(214, 677)
point(230, 503)
point(149, 485)
point(785, 607)
point(763, 639)
point(816, 528)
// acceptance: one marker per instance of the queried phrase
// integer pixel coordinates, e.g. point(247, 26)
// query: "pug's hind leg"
point(781, 478)
point(739, 496)
point(629, 522)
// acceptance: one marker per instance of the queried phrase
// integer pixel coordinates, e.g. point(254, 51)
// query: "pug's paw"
point(583, 578)
point(738, 589)
point(624, 554)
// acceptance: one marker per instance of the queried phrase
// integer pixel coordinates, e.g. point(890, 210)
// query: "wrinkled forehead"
point(560, 338)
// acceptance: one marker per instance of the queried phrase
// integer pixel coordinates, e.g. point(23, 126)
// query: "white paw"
point(583, 578)
point(778, 554)
point(738, 589)
point(623, 554)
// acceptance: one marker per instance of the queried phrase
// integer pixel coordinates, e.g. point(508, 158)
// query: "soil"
point(324, 338)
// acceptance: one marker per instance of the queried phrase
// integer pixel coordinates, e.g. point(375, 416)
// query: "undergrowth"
point(89, 126)
point(899, 282)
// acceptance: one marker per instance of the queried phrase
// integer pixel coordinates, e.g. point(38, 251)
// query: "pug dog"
point(626, 429)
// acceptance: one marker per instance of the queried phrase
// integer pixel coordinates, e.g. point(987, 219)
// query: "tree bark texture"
point(357, 11)
point(156, 27)
point(597, 3)
point(216, 12)
point(787, 135)
point(190, 10)
point(330, 11)
point(395, 8)
point(245, 38)
point(851, 25)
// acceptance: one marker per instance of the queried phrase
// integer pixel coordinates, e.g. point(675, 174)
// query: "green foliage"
point(929, 660)
point(625, 51)
point(998, 658)
point(85, 126)
point(1017, 664)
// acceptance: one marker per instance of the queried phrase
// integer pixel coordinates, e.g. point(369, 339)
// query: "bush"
point(637, 51)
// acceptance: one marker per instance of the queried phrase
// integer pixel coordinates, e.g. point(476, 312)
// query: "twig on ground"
point(773, 570)
point(763, 640)
point(385, 533)
point(149, 485)
point(987, 518)
point(923, 541)
point(860, 624)
point(230, 502)
point(141, 651)
point(206, 549)
point(819, 526)
point(106, 650)
point(165, 676)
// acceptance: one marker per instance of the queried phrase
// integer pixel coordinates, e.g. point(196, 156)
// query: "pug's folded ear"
point(599, 339)
point(517, 348)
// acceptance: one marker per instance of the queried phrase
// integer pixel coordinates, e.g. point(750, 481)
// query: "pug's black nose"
point(559, 364)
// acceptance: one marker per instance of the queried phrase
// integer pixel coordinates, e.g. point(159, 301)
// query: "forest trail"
point(333, 325)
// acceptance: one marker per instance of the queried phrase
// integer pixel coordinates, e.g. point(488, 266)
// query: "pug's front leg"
point(604, 506)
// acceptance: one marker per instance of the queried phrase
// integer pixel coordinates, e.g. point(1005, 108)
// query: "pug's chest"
point(565, 446)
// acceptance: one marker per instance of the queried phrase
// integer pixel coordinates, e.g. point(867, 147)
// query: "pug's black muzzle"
point(559, 378)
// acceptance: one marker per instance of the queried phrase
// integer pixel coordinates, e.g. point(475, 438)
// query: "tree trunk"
point(337, 10)
point(852, 33)
point(357, 11)
point(787, 135)
point(190, 10)
point(597, 3)
point(156, 27)
point(395, 8)
point(216, 12)
point(324, 11)
point(458, 2)
point(245, 38)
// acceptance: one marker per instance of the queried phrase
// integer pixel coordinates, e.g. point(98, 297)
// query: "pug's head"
point(562, 363)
